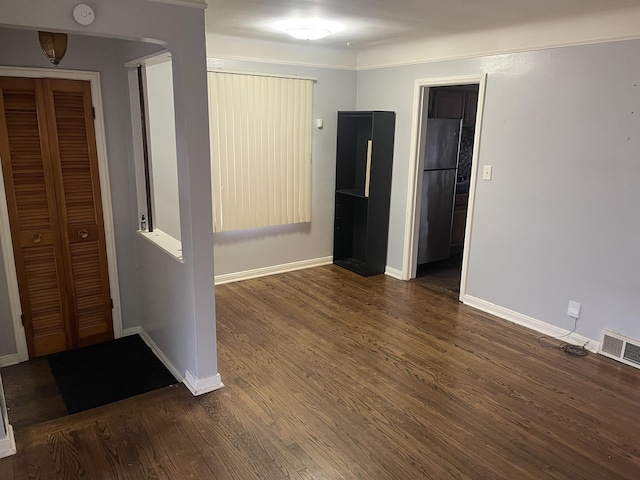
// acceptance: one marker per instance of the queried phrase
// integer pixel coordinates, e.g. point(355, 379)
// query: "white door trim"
point(7, 438)
point(105, 187)
point(410, 250)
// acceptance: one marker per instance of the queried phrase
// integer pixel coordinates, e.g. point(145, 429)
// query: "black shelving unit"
point(364, 161)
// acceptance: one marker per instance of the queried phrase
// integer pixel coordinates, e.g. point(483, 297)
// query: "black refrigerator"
point(441, 150)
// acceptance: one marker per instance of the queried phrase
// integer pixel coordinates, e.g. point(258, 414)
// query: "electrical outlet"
point(486, 172)
point(574, 309)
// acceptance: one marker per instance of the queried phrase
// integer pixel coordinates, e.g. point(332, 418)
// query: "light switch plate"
point(486, 172)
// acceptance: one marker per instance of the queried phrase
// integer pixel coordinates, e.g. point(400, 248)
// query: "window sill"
point(165, 242)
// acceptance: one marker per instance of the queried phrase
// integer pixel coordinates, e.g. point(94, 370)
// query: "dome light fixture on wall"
point(308, 28)
point(54, 46)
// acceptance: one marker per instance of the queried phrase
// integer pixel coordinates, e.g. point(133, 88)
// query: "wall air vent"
point(620, 348)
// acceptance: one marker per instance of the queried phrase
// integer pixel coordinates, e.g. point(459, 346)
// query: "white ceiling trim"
point(604, 27)
point(283, 53)
point(185, 3)
point(213, 69)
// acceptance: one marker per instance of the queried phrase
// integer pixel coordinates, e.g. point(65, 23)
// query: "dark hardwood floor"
point(330, 375)
point(32, 394)
point(443, 275)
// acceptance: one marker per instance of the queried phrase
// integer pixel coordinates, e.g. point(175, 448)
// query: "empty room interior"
point(348, 239)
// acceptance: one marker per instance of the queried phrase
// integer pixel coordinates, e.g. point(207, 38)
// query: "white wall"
point(186, 331)
point(246, 250)
point(162, 146)
point(559, 222)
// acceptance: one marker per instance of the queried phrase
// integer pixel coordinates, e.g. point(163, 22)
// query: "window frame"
point(143, 157)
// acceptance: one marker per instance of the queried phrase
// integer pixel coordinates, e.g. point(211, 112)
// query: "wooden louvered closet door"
point(50, 169)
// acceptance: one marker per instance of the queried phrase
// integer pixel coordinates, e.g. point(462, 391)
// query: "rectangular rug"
point(107, 372)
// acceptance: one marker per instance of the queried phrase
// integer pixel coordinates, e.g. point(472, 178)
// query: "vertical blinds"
point(260, 131)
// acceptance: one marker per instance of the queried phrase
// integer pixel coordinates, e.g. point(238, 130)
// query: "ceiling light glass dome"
point(308, 28)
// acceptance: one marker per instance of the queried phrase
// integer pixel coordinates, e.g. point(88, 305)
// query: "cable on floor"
point(568, 348)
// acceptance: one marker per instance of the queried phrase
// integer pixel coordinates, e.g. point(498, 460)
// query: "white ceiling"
point(369, 23)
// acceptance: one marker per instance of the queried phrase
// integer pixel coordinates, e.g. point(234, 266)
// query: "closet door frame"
point(6, 245)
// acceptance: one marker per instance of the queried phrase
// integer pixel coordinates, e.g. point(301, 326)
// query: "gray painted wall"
point(186, 332)
point(559, 221)
point(250, 249)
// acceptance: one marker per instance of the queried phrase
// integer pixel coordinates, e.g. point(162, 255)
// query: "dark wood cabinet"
point(364, 160)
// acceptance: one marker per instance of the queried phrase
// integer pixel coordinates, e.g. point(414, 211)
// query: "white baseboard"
point(8, 360)
point(127, 332)
point(195, 385)
point(8, 443)
point(202, 385)
point(392, 272)
point(530, 322)
point(155, 349)
point(272, 270)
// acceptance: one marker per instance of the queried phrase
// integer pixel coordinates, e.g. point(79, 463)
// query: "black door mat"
point(107, 372)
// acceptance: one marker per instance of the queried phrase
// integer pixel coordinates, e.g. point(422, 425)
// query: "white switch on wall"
point(486, 172)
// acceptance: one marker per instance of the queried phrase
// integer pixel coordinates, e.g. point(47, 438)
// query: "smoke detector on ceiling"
point(83, 14)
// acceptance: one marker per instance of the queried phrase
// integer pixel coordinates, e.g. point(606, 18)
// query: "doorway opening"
point(447, 150)
point(447, 120)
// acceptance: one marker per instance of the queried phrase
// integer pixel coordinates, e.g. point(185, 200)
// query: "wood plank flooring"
point(330, 375)
point(32, 394)
point(443, 276)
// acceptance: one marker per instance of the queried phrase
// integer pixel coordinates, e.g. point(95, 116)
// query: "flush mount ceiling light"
point(308, 33)
point(308, 28)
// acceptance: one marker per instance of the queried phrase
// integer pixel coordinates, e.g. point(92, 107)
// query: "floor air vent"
point(621, 348)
